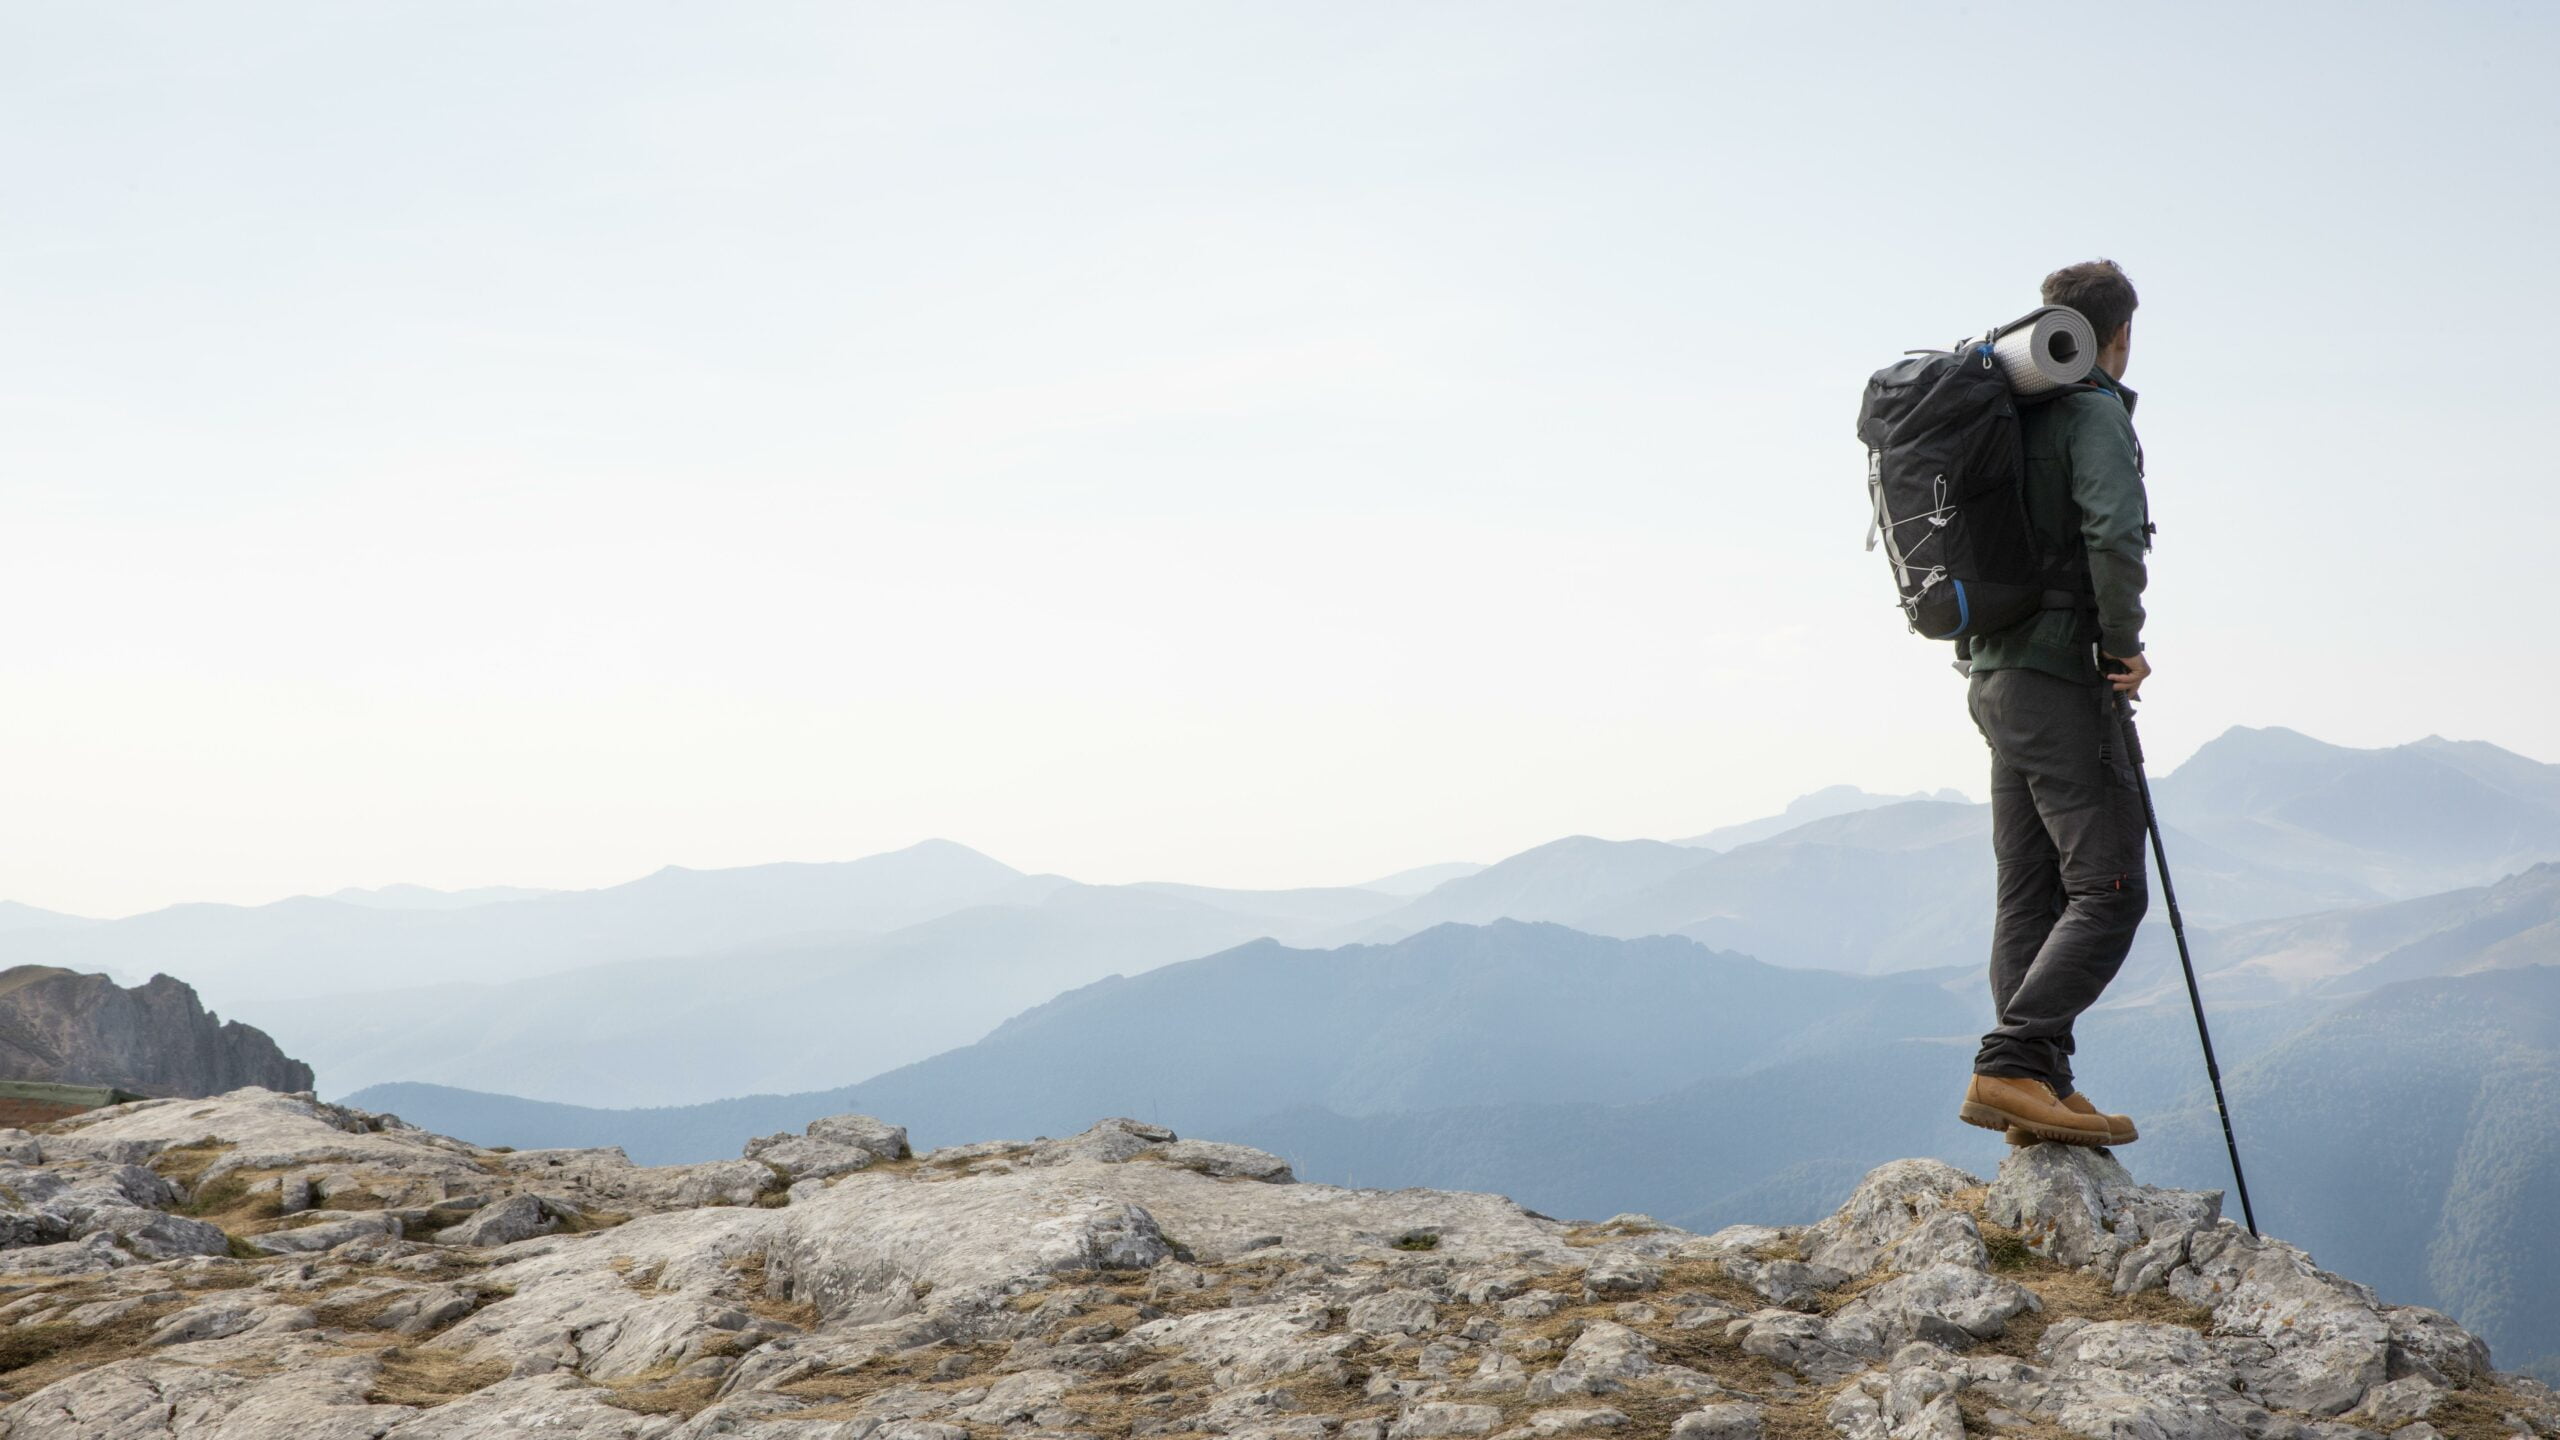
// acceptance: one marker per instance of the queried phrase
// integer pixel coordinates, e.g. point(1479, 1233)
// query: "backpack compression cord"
point(2178, 928)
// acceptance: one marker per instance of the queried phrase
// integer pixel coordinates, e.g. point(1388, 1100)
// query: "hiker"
point(2066, 819)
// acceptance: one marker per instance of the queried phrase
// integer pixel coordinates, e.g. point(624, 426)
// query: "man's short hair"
point(2099, 290)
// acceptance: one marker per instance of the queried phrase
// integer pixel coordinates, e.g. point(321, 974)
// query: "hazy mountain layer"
point(2413, 1134)
point(308, 945)
point(773, 1018)
point(421, 897)
point(2401, 822)
point(1457, 1014)
point(2260, 824)
point(661, 1135)
point(1822, 804)
point(14, 916)
point(2406, 1135)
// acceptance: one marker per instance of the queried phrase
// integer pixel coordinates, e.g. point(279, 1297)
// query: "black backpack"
point(1946, 474)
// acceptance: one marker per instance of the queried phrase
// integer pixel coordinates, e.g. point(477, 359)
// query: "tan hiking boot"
point(2120, 1129)
point(1999, 1102)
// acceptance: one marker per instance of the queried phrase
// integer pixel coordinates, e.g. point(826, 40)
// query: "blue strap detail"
point(1964, 613)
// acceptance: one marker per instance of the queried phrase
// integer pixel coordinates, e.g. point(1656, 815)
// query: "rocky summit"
point(156, 1038)
point(263, 1265)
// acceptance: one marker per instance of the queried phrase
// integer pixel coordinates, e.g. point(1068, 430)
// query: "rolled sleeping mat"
point(2045, 349)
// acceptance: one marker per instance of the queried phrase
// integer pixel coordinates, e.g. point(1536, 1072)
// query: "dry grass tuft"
point(2075, 1294)
point(184, 1165)
point(231, 1277)
point(38, 1355)
point(658, 1392)
point(1583, 1237)
point(762, 1302)
point(839, 1394)
point(2008, 1249)
point(25, 1345)
point(2476, 1412)
point(426, 1377)
point(588, 1222)
point(225, 1200)
point(1160, 1395)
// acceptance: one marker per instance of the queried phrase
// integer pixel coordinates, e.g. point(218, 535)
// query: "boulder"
point(331, 1230)
point(518, 1217)
point(882, 1140)
point(832, 1145)
point(2078, 1206)
point(1888, 1205)
point(1433, 1419)
point(1230, 1162)
point(1950, 1305)
point(1730, 1420)
point(1395, 1312)
point(154, 1234)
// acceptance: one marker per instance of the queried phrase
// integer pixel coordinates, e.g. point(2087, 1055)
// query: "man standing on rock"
point(2066, 818)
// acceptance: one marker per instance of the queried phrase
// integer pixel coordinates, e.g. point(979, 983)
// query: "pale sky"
point(1255, 444)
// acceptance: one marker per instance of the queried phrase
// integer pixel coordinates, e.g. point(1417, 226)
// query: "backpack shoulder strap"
point(2047, 397)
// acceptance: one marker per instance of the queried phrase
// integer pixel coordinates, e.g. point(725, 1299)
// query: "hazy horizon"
point(481, 444)
point(2160, 766)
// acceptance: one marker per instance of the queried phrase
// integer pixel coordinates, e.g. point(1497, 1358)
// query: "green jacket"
point(2084, 478)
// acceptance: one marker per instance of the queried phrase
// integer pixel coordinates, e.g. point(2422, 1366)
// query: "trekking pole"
point(2178, 928)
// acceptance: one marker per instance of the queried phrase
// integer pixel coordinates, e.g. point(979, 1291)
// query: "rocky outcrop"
point(260, 1264)
point(154, 1039)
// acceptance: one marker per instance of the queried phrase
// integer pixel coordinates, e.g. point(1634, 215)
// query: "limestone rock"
point(1907, 1404)
point(1622, 1274)
point(518, 1217)
point(2079, 1206)
point(880, 1139)
point(2298, 1337)
point(154, 1234)
point(1820, 1351)
point(1791, 1283)
point(1239, 1162)
point(1601, 1361)
point(330, 1230)
point(1395, 1312)
point(1432, 1419)
point(832, 1145)
point(1950, 1305)
point(1730, 1420)
point(1116, 1282)
point(1882, 1212)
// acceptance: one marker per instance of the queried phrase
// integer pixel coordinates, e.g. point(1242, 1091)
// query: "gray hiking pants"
point(2067, 830)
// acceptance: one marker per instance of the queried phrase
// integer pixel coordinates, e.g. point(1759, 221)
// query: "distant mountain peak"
point(1826, 803)
point(1421, 877)
point(1839, 799)
point(427, 897)
point(2265, 740)
point(937, 845)
point(15, 916)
